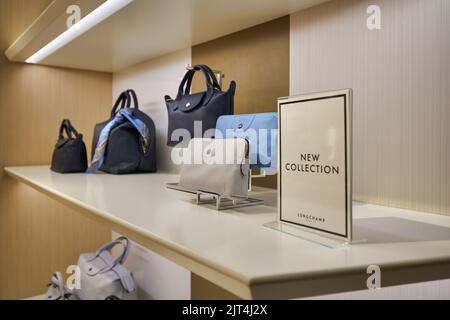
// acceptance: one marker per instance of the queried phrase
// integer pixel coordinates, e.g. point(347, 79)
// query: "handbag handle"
point(211, 82)
point(68, 128)
point(133, 95)
point(212, 74)
point(206, 69)
point(123, 101)
point(123, 256)
point(247, 150)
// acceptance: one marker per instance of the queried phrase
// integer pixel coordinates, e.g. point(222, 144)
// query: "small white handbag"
point(104, 277)
point(219, 166)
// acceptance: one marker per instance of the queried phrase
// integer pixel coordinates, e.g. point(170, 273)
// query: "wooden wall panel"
point(38, 235)
point(400, 76)
point(258, 60)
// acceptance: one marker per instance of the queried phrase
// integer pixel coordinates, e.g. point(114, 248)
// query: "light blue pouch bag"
point(261, 130)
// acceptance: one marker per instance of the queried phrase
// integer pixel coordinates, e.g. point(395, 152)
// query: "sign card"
point(315, 153)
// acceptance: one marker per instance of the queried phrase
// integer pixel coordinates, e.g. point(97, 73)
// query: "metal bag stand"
point(220, 202)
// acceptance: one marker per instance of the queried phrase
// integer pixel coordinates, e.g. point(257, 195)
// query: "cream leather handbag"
point(219, 166)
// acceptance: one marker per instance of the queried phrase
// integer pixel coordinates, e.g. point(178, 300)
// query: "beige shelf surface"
point(235, 251)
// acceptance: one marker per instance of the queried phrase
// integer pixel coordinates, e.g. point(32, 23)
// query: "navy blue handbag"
point(124, 152)
point(69, 155)
point(260, 129)
point(203, 107)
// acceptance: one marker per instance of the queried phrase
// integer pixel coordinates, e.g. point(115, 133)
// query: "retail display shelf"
point(233, 249)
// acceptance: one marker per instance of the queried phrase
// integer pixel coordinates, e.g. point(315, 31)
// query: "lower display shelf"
point(233, 250)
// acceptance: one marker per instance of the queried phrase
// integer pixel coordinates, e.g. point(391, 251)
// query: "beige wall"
point(38, 235)
point(400, 76)
point(258, 60)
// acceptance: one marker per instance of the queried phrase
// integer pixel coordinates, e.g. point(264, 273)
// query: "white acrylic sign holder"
point(289, 220)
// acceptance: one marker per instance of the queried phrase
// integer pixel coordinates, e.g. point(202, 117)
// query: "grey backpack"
point(103, 277)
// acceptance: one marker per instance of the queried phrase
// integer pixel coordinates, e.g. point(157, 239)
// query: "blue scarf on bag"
point(121, 117)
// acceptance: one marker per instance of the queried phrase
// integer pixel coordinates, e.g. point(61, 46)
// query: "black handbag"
point(124, 152)
point(203, 106)
point(123, 101)
point(69, 155)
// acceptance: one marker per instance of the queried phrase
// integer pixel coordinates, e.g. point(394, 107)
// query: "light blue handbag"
point(260, 129)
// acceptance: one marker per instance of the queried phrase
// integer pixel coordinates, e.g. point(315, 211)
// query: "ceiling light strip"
point(92, 19)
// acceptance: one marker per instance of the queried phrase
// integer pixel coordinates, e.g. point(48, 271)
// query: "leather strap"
point(125, 277)
point(123, 256)
point(187, 79)
point(247, 151)
point(67, 127)
point(210, 79)
point(133, 95)
point(205, 69)
point(123, 101)
point(186, 82)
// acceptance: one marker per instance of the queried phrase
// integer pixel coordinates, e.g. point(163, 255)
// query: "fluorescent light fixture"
point(101, 13)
